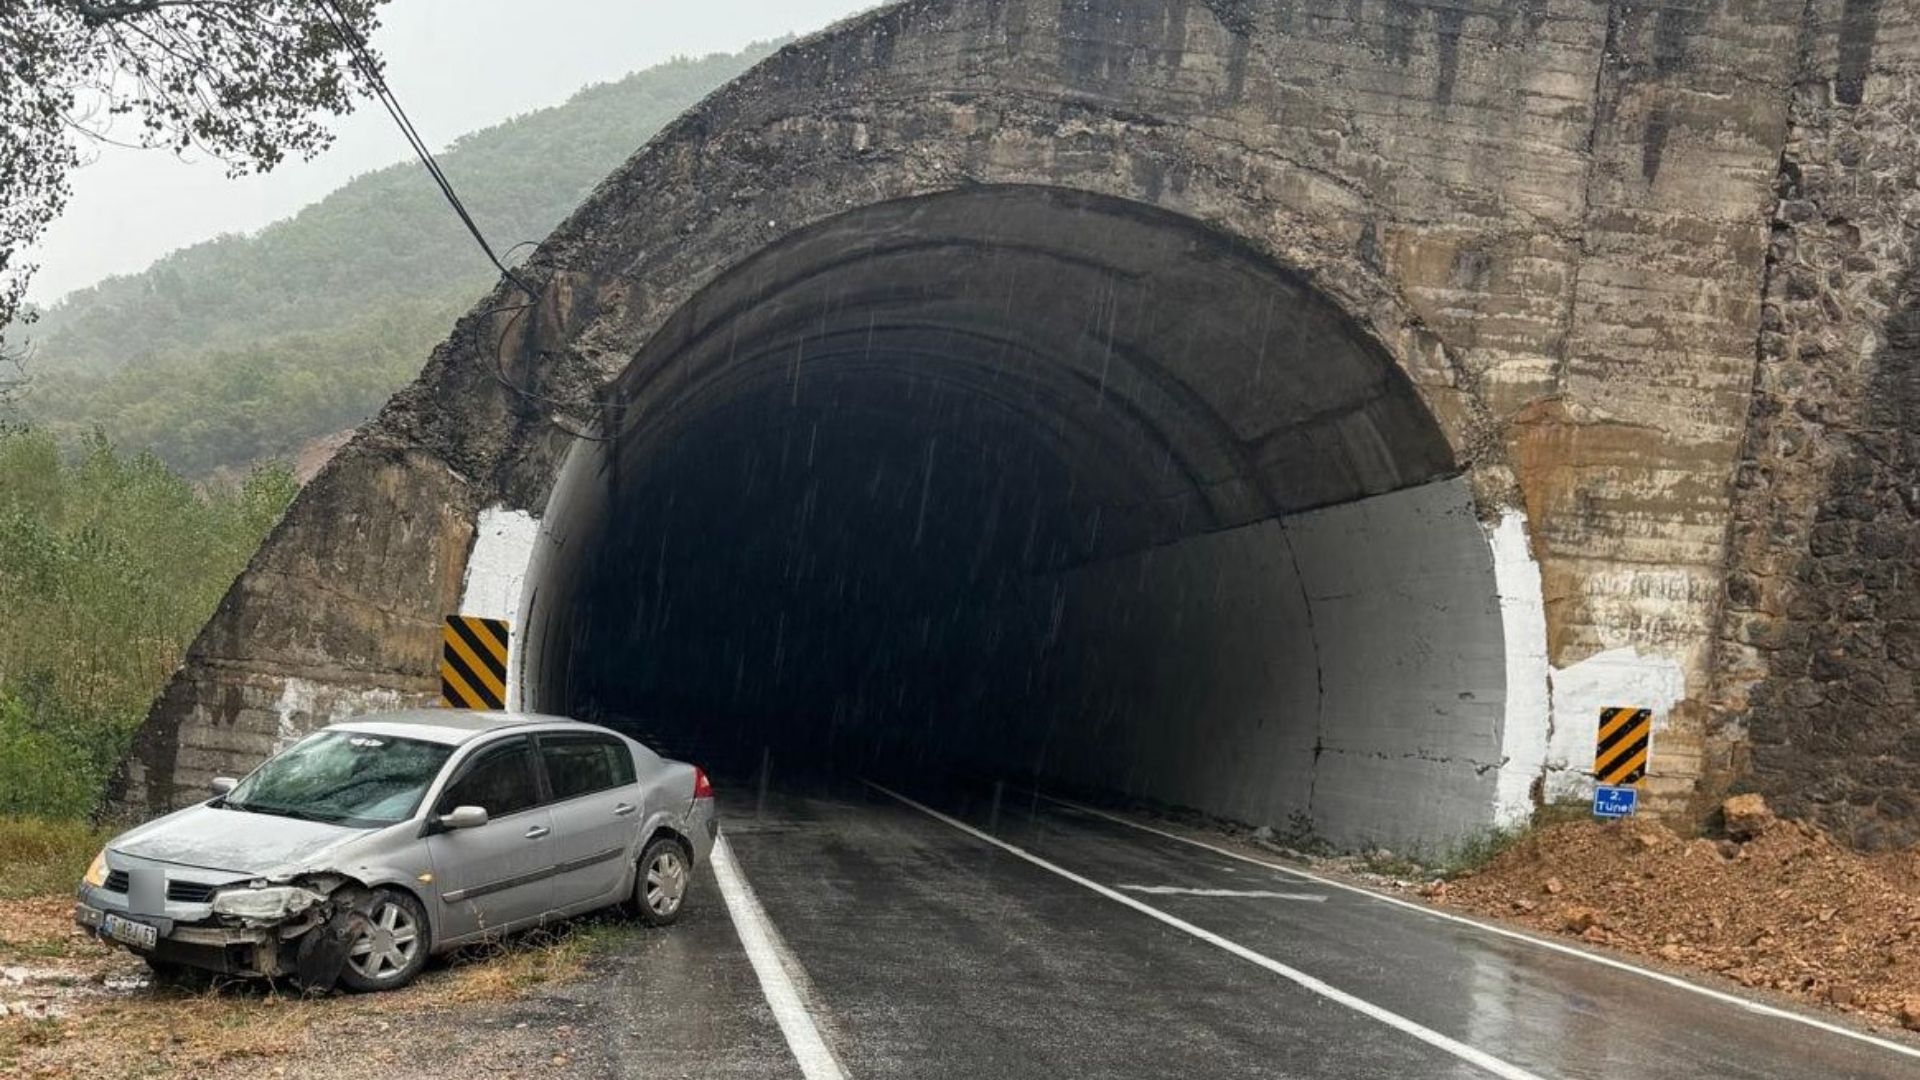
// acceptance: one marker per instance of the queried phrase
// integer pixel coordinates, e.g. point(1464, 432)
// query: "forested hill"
point(383, 235)
point(245, 348)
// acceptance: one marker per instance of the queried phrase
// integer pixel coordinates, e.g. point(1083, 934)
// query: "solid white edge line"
point(1606, 961)
point(1238, 894)
point(764, 950)
point(1394, 1020)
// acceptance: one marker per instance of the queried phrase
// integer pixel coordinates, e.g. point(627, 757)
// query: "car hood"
point(215, 838)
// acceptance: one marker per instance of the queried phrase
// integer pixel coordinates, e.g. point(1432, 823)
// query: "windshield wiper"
point(284, 811)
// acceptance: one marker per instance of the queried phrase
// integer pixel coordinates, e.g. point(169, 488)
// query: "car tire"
point(390, 944)
point(661, 881)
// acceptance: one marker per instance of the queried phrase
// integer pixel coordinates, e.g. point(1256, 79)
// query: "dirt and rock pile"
point(1775, 904)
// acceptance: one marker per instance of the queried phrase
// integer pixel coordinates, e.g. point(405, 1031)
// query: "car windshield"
point(343, 777)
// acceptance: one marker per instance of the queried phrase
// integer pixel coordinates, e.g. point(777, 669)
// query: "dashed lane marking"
point(1394, 1020)
point(771, 962)
point(1257, 894)
point(1515, 935)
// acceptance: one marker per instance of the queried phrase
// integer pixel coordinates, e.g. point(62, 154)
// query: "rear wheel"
point(389, 947)
point(660, 887)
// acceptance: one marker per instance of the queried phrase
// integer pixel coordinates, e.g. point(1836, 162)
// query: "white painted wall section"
point(497, 574)
point(1528, 720)
point(1617, 677)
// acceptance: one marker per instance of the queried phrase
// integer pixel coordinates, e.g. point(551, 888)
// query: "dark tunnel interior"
point(799, 571)
point(1016, 481)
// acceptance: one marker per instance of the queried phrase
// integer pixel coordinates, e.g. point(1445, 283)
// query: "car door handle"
point(623, 809)
point(537, 831)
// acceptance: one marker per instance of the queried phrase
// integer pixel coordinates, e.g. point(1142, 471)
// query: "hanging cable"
point(361, 57)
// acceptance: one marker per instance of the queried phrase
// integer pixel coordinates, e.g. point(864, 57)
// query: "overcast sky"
point(456, 65)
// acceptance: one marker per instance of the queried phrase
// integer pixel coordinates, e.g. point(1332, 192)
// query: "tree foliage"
point(246, 83)
point(13, 376)
point(223, 408)
point(109, 564)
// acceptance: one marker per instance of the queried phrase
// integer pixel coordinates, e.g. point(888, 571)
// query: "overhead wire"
point(361, 57)
point(370, 71)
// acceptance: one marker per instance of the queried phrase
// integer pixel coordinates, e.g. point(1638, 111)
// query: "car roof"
point(451, 726)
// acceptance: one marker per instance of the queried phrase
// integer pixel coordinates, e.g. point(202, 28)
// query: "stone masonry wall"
point(1815, 684)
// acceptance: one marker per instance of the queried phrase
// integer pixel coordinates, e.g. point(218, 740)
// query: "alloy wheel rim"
point(666, 882)
point(387, 945)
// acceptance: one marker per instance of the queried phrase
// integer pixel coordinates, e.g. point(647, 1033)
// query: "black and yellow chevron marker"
point(1621, 748)
point(473, 663)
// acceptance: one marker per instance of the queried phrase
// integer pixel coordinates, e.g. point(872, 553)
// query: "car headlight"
point(97, 870)
point(271, 903)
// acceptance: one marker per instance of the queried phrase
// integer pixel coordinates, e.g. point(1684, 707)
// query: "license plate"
point(137, 934)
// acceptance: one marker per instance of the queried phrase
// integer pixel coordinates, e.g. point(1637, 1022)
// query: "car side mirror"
point(463, 817)
point(222, 785)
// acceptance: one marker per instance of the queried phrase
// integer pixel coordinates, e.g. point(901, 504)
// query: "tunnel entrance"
point(1039, 484)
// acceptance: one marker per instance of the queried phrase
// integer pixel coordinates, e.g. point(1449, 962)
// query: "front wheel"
point(660, 888)
point(389, 947)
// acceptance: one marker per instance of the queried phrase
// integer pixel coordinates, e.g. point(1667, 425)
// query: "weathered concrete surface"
point(318, 627)
point(1337, 672)
point(1553, 217)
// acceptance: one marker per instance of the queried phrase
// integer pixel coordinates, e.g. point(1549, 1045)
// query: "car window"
point(583, 764)
point(499, 780)
point(343, 777)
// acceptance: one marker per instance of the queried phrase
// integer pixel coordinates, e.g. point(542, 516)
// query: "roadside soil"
point(74, 1009)
point(1781, 911)
point(1786, 909)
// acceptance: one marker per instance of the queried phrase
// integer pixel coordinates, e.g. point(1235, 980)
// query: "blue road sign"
point(1614, 802)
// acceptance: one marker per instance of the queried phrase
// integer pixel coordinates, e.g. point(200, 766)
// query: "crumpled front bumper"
point(177, 901)
point(228, 950)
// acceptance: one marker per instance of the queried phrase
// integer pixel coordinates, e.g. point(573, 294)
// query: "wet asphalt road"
point(922, 950)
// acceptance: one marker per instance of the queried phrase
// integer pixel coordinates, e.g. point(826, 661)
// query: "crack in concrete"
point(1480, 768)
point(1319, 667)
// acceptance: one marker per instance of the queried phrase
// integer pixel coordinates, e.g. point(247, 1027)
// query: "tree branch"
point(108, 12)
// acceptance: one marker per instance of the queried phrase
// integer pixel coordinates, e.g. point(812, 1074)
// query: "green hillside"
point(244, 348)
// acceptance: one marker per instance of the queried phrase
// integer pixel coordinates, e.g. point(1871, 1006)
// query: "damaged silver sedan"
point(352, 856)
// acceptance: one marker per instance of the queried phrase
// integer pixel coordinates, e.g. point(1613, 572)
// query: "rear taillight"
point(702, 787)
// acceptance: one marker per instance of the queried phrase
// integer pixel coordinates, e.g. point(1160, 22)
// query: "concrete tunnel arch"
point(1044, 484)
point(929, 164)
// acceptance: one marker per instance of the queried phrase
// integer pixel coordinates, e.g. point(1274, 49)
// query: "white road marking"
point(771, 962)
point(1182, 890)
point(1392, 1019)
point(1568, 950)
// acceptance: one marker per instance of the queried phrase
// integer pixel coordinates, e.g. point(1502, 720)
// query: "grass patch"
point(1474, 851)
point(37, 948)
point(169, 1034)
point(176, 1033)
point(40, 857)
point(1482, 848)
point(181, 1033)
point(1391, 865)
point(501, 971)
point(19, 1036)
